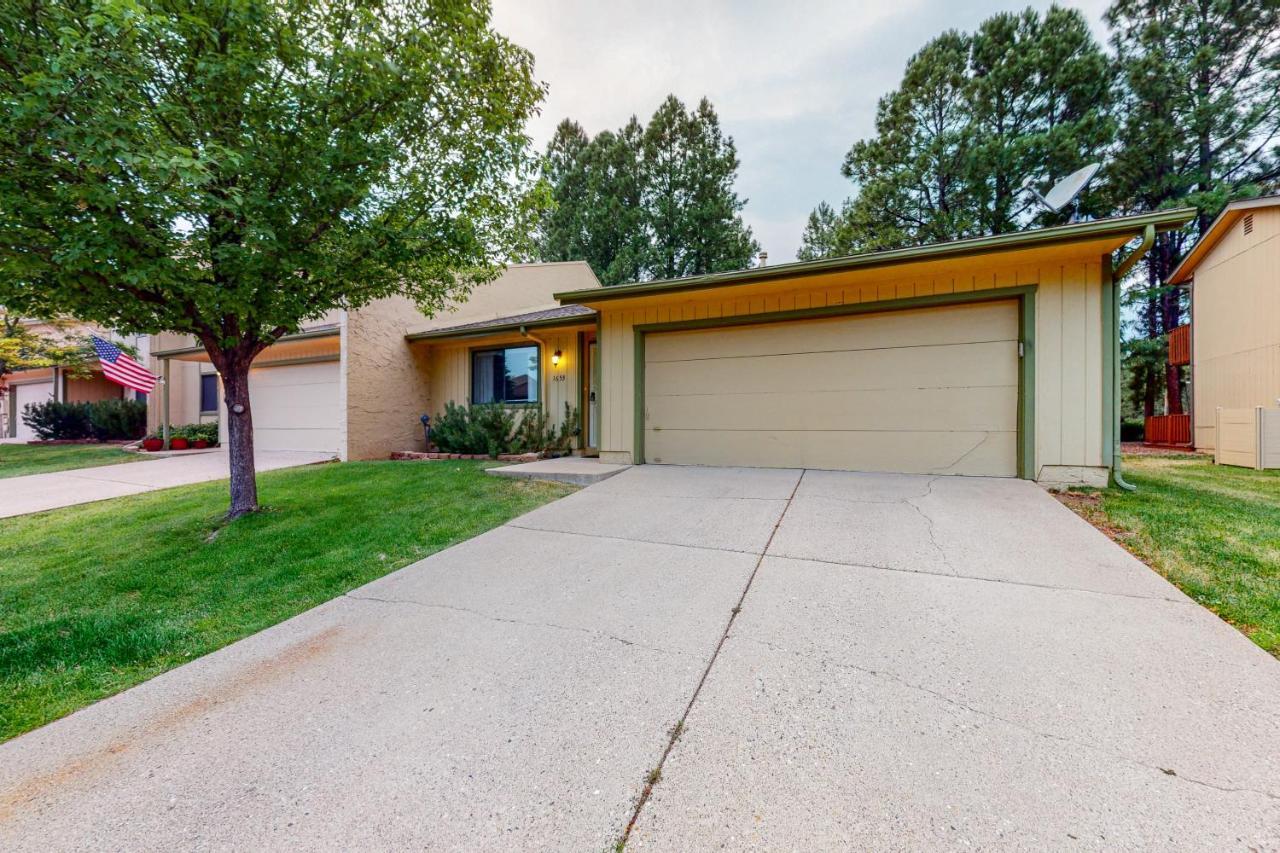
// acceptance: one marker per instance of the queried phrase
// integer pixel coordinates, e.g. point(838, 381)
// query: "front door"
point(593, 395)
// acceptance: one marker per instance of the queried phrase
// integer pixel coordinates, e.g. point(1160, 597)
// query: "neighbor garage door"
point(295, 407)
point(25, 395)
point(922, 391)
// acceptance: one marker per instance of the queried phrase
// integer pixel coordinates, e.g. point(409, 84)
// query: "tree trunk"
point(244, 483)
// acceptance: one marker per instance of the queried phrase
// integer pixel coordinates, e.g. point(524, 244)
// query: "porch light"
point(555, 358)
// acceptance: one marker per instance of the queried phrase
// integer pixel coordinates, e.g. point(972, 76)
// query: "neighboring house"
point(1233, 273)
point(995, 356)
point(24, 387)
point(356, 383)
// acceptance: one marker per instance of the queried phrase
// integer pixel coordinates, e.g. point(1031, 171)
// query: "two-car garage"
point(931, 390)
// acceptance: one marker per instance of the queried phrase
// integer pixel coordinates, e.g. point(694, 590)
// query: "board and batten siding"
point(1069, 343)
point(450, 368)
point(1235, 315)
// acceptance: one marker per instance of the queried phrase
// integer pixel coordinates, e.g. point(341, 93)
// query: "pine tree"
point(644, 202)
point(1200, 117)
point(975, 117)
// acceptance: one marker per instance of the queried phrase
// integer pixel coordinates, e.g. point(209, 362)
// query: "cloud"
point(794, 83)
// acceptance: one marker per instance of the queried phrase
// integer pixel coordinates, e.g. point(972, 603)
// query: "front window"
point(507, 375)
point(208, 393)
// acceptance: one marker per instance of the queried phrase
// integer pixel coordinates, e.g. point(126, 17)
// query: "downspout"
point(1117, 276)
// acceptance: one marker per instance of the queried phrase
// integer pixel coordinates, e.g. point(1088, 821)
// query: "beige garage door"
point(923, 391)
point(295, 407)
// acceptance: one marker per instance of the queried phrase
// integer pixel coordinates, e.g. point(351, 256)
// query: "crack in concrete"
point(897, 679)
point(980, 579)
point(930, 526)
point(655, 775)
point(490, 617)
point(629, 539)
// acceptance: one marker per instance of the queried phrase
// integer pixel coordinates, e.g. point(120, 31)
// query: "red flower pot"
point(178, 444)
point(200, 444)
point(151, 445)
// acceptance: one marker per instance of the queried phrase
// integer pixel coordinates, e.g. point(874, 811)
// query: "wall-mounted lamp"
point(555, 358)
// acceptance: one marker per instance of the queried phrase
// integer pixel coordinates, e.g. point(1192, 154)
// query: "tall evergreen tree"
point(1026, 97)
point(1200, 119)
point(644, 202)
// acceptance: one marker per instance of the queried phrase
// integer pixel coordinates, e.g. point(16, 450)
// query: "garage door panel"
point(990, 454)
point(921, 391)
point(295, 407)
point(907, 409)
point(25, 395)
point(921, 327)
point(950, 365)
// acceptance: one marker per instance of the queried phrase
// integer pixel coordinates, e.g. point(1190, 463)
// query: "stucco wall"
point(1069, 337)
point(1236, 323)
point(520, 289)
point(387, 380)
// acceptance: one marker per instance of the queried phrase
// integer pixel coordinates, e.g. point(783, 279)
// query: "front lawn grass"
point(17, 460)
point(97, 598)
point(1213, 530)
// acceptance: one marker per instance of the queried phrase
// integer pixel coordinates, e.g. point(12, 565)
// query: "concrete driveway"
point(869, 661)
point(39, 492)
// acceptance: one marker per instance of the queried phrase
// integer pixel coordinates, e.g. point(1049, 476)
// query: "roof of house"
point(1116, 227)
point(1219, 229)
point(561, 316)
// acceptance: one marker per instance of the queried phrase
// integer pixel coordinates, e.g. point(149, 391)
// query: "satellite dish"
point(1066, 190)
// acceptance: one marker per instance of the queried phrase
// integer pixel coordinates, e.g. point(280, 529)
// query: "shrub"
point(1132, 430)
point(492, 428)
point(118, 419)
point(105, 420)
point(58, 421)
point(196, 432)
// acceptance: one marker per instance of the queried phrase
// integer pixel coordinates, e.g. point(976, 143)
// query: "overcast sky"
point(795, 83)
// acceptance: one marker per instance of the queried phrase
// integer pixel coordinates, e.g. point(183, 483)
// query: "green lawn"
point(1212, 530)
point(19, 459)
point(97, 598)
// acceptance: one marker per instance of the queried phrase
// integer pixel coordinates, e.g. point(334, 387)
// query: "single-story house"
point(356, 383)
point(24, 387)
point(994, 356)
point(1233, 273)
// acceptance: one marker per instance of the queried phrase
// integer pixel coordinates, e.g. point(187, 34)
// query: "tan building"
point(1234, 277)
point(25, 387)
point(995, 356)
point(356, 383)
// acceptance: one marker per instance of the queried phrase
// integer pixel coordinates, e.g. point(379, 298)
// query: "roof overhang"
point(312, 343)
point(1101, 236)
point(1231, 214)
point(501, 326)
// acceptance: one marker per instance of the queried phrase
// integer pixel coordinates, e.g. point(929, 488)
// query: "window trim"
point(472, 352)
point(214, 410)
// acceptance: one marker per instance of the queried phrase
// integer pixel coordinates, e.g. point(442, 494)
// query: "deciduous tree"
point(231, 169)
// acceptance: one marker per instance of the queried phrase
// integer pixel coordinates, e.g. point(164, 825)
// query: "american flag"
point(121, 369)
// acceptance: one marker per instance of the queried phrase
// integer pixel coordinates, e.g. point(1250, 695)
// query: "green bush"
point(118, 419)
point(491, 428)
point(105, 420)
point(1132, 430)
point(56, 421)
point(195, 432)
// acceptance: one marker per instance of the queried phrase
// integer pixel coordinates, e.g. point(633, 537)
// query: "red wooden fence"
point(1180, 346)
point(1168, 429)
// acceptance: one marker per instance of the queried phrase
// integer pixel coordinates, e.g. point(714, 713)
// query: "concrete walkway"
point(850, 661)
point(39, 492)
